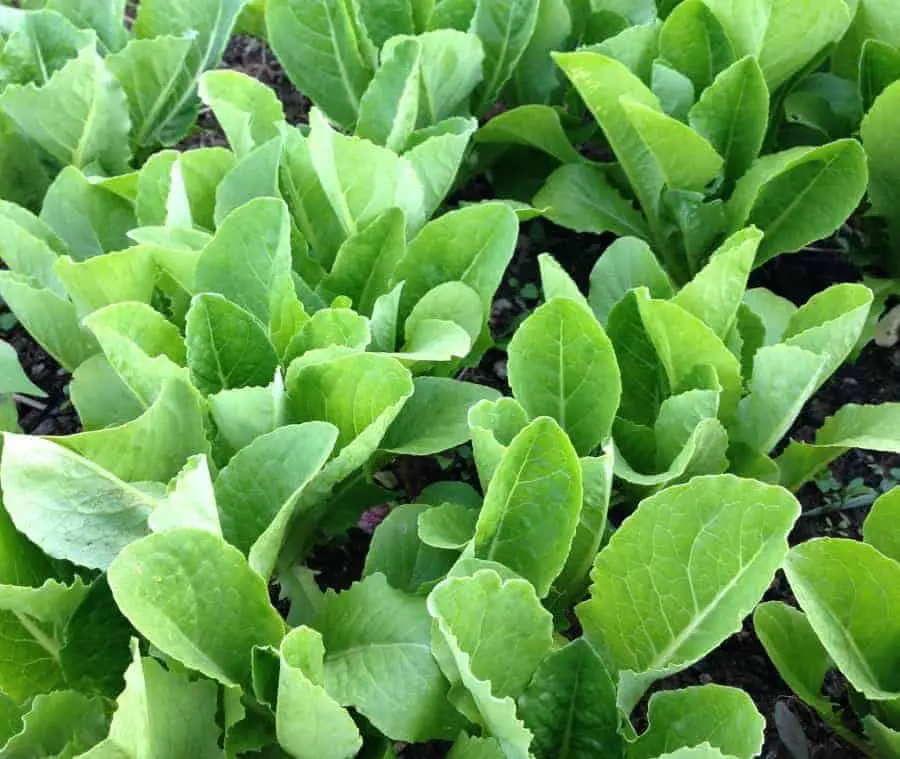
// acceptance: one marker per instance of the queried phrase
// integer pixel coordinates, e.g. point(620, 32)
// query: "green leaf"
point(879, 67)
point(849, 592)
point(774, 311)
point(161, 584)
point(770, 32)
point(795, 651)
point(715, 294)
point(145, 350)
point(227, 347)
point(105, 17)
point(63, 723)
point(408, 562)
point(576, 380)
point(148, 71)
point(537, 126)
point(579, 196)
point(268, 476)
point(881, 526)
point(361, 179)
point(450, 526)
point(384, 19)
point(161, 713)
point(532, 505)
point(732, 114)
point(693, 41)
point(880, 140)
point(570, 705)
point(390, 106)
point(89, 218)
point(364, 264)
point(378, 660)
point(717, 541)
point(800, 196)
point(494, 425)
point(436, 417)
point(602, 82)
point(784, 378)
point(723, 717)
point(103, 280)
point(328, 328)
point(209, 23)
point(100, 396)
point(95, 514)
point(683, 343)
point(489, 636)
point(472, 245)
point(625, 265)
point(451, 66)
point(310, 724)
point(12, 378)
point(62, 116)
point(467, 747)
point(254, 176)
point(535, 78)
point(505, 28)
point(687, 160)
point(871, 428)
point(556, 282)
point(249, 112)
point(324, 52)
point(258, 235)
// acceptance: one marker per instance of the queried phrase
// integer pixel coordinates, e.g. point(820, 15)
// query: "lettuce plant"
point(684, 106)
point(711, 376)
point(13, 381)
point(78, 89)
point(847, 591)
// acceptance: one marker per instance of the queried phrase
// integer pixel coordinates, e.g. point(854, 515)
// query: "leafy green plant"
point(13, 381)
point(78, 89)
point(847, 592)
point(685, 106)
point(712, 376)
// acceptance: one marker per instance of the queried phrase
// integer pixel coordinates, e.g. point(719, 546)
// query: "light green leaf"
point(532, 505)
point(686, 158)
point(450, 526)
point(723, 717)
point(258, 236)
point(602, 82)
point(472, 245)
point(101, 397)
point(323, 51)
point(882, 528)
point(268, 476)
point(774, 311)
point(254, 176)
point(467, 747)
point(576, 379)
point(489, 636)
point(693, 40)
point(365, 263)
point(160, 583)
point(879, 139)
point(390, 105)
point(154, 446)
point(452, 301)
point(732, 113)
point(361, 179)
point(683, 343)
point(505, 28)
point(190, 501)
point(105, 17)
point(160, 714)
point(148, 71)
point(570, 705)
point(309, 723)
point(796, 652)
point(715, 294)
point(94, 514)
point(849, 592)
point(436, 417)
point(800, 196)
point(59, 724)
point(537, 126)
point(581, 197)
point(556, 282)
point(249, 112)
point(626, 264)
point(535, 78)
point(227, 347)
point(408, 562)
point(769, 31)
point(62, 116)
point(210, 22)
point(682, 572)
point(145, 350)
point(129, 275)
point(384, 19)
point(378, 660)
point(494, 425)
point(12, 378)
point(451, 65)
point(328, 328)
